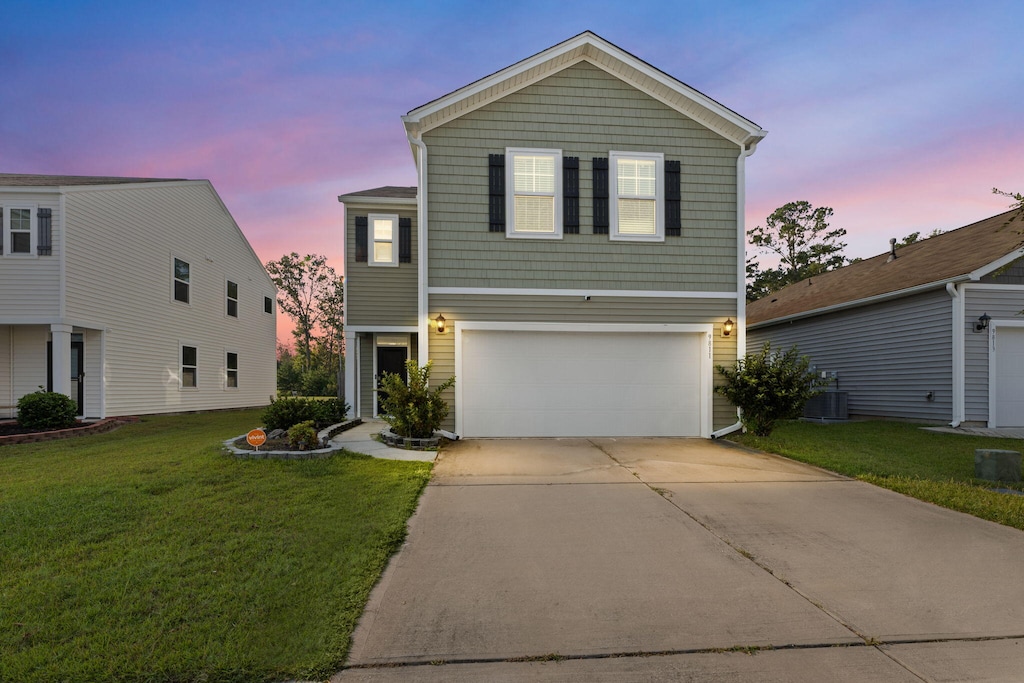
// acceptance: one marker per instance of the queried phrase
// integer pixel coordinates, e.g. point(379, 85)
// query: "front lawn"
point(934, 467)
point(146, 554)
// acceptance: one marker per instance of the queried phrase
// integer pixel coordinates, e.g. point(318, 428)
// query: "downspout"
point(746, 149)
point(958, 371)
point(423, 324)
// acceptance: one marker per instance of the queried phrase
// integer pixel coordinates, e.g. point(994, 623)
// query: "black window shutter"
point(496, 178)
point(571, 195)
point(600, 196)
point(361, 231)
point(405, 240)
point(673, 203)
point(44, 220)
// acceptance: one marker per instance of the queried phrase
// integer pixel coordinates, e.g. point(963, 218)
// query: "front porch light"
point(727, 327)
point(439, 320)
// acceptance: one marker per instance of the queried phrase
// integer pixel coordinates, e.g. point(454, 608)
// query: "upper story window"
point(232, 299)
point(636, 209)
point(182, 280)
point(19, 229)
point(268, 305)
point(533, 181)
point(231, 370)
point(384, 233)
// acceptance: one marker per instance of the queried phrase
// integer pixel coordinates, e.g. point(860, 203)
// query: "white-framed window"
point(232, 299)
point(230, 370)
point(637, 207)
point(383, 238)
point(20, 229)
point(268, 305)
point(181, 280)
point(533, 193)
point(189, 360)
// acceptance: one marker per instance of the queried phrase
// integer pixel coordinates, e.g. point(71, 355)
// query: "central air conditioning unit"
point(830, 405)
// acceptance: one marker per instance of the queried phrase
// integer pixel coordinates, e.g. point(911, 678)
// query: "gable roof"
point(589, 47)
point(389, 194)
point(32, 180)
point(964, 254)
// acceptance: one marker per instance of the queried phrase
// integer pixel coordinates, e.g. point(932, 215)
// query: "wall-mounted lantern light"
point(727, 327)
point(439, 320)
point(982, 323)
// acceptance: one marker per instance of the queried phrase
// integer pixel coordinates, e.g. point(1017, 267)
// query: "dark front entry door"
point(390, 359)
point(77, 370)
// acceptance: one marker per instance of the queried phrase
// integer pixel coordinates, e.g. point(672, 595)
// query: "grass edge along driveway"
point(930, 466)
point(146, 554)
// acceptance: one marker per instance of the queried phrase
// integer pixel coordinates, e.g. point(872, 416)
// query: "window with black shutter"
point(496, 191)
point(405, 240)
point(361, 240)
point(571, 195)
point(44, 237)
point(673, 200)
point(600, 171)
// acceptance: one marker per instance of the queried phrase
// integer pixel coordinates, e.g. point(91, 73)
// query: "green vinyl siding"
point(379, 295)
point(586, 113)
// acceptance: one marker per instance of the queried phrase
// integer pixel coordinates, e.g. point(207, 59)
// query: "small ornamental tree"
point(413, 408)
point(769, 386)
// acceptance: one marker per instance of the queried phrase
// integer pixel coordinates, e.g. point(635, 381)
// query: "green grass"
point(146, 554)
point(934, 467)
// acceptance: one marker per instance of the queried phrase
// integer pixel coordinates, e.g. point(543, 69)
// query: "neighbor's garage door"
point(1009, 377)
point(528, 383)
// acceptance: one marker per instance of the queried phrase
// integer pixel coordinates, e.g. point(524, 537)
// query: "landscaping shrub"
point(285, 413)
point(413, 408)
point(46, 410)
point(769, 386)
point(303, 436)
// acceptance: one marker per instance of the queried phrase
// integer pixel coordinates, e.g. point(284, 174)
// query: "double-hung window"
point(533, 180)
point(268, 305)
point(384, 235)
point(182, 280)
point(231, 369)
point(189, 367)
point(20, 229)
point(232, 299)
point(636, 209)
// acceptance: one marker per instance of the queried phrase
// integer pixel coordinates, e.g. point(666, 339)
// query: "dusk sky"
point(900, 115)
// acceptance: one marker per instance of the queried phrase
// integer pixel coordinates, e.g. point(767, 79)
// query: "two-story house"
point(132, 296)
point(573, 253)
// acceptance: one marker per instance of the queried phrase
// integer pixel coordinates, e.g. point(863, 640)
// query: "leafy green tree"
point(289, 374)
point(1018, 203)
point(310, 292)
point(769, 386)
point(799, 235)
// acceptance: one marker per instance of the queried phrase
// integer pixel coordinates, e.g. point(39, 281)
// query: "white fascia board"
point(878, 298)
point(634, 293)
point(30, 189)
point(384, 329)
point(647, 328)
point(364, 201)
point(974, 286)
point(997, 264)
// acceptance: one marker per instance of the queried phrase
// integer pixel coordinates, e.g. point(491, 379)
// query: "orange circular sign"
point(256, 438)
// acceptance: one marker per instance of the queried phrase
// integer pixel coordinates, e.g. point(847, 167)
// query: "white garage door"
point(1009, 377)
point(529, 383)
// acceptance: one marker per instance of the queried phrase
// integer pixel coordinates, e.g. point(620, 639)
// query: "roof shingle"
point(32, 180)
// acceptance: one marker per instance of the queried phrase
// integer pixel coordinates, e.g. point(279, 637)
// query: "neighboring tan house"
point(132, 296)
point(578, 230)
point(930, 331)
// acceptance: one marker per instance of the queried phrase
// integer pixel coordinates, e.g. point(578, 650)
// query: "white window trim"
point(181, 365)
point(190, 283)
point(33, 229)
point(238, 370)
point(227, 297)
point(659, 196)
point(370, 239)
point(510, 202)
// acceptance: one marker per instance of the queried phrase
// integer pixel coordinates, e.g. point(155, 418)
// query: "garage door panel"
point(526, 383)
point(1009, 377)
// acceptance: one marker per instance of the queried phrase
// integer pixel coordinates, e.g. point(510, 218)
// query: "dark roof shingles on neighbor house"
point(936, 260)
point(386, 192)
point(29, 180)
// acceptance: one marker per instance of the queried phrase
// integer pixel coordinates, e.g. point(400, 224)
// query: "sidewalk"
point(360, 439)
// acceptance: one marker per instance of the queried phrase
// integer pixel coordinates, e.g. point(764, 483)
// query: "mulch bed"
point(11, 427)
point(12, 433)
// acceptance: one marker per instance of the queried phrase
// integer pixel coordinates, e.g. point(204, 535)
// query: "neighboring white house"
point(132, 296)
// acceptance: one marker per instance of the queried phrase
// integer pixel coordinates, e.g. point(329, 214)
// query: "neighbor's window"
point(268, 305)
point(231, 364)
point(533, 181)
point(189, 367)
point(19, 229)
point(181, 280)
point(636, 210)
point(232, 299)
point(384, 233)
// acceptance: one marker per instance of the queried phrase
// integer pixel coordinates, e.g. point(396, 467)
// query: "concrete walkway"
point(360, 439)
point(674, 559)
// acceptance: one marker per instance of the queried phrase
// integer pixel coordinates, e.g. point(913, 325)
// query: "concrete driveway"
point(669, 559)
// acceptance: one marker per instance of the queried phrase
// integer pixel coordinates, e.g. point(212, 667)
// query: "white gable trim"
point(997, 264)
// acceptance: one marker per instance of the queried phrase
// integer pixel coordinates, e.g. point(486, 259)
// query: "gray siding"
point(366, 395)
point(376, 295)
point(999, 304)
point(572, 309)
point(889, 356)
point(585, 112)
point(1011, 275)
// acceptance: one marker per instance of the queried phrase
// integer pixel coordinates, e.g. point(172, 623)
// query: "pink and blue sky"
point(900, 115)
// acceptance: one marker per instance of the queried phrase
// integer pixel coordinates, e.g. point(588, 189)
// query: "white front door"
point(1008, 377)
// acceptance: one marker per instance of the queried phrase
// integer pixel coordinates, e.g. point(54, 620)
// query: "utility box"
point(996, 465)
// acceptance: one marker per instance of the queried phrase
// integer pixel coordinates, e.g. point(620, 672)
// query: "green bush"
point(769, 386)
point(303, 436)
point(413, 408)
point(46, 410)
point(285, 413)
